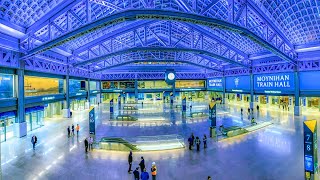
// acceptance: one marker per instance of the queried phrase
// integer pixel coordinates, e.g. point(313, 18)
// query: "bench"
point(232, 131)
point(198, 114)
point(129, 108)
point(126, 118)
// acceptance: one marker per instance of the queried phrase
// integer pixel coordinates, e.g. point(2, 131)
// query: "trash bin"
point(212, 132)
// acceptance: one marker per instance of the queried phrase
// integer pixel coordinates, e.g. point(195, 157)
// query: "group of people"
point(196, 141)
point(88, 144)
point(71, 131)
point(144, 174)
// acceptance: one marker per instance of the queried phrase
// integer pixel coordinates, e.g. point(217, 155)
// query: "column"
point(173, 93)
point(20, 126)
point(251, 91)
point(66, 89)
point(224, 99)
point(136, 90)
point(99, 95)
point(88, 97)
point(297, 107)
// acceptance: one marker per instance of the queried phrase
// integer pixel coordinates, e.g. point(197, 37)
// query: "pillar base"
point(297, 110)
point(20, 129)
point(66, 113)
point(252, 105)
point(225, 101)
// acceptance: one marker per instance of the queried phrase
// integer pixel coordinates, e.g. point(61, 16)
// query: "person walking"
point(209, 178)
point(144, 175)
point(204, 141)
point(68, 129)
point(192, 136)
point(86, 144)
point(198, 143)
point(136, 174)
point(130, 161)
point(142, 165)
point(72, 130)
point(241, 111)
point(90, 143)
point(258, 108)
point(154, 171)
point(77, 129)
point(34, 140)
point(190, 142)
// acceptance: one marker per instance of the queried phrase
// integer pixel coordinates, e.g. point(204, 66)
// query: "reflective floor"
point(274, 152)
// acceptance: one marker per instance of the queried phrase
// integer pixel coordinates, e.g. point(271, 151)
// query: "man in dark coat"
point(136, 174)
point(141, 164)
point(130, 161)
point(86, 144)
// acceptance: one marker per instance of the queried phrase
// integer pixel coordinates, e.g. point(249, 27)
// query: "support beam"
point(20, 126)
point(53, 14)
point(159, 15)
point(167, 49)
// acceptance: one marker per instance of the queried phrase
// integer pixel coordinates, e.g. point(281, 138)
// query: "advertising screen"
point(238, 83)
point(215, 84)
point(309, 81)
point(6, 86)
point(36, 86)
point(280, 82)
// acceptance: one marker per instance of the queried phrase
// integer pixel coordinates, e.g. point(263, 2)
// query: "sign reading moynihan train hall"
point(280, 81)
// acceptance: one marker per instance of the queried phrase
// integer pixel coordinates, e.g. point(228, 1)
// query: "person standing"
point(190, 142)
point(130, 161)
point(142, 165)
point(136, 174)
point(78, 129)
point(90, 143)
point(34, 140)
point(86, 144)
point(204, 141)
point(258, 108)
point(144, 175)
point(209, 178)
point(192, 136)
point(241, 111)
point(198, 143)
point(154, 171)
point(72, 129)
point(68, 131)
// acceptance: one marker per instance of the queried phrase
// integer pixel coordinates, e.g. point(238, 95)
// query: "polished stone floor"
point(271, 153)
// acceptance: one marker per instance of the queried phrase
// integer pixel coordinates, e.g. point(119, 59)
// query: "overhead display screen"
point(238, 83)
point(280, 82)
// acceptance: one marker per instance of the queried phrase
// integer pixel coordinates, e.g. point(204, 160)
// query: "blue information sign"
point(111, 106)
point(274, 83)
point(213, 114)
point(215, 84)
point(184, 104)
point(238, 84)
point(92, 121)
point(310, 148)
point(307, 81)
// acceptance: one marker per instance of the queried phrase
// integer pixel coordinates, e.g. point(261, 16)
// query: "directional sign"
point(184, 104)
point(111, 106)
point(92, 121)
point(212, 114)
point(310, 149)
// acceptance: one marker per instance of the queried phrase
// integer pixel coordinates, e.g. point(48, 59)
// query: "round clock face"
point(171, 76)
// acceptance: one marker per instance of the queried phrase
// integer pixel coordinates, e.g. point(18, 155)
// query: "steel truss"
point(151, 76)
point(209, 51)
point(9, 58)
point(241, 19)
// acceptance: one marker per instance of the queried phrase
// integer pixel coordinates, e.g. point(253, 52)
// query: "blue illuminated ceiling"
point(101, 36)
